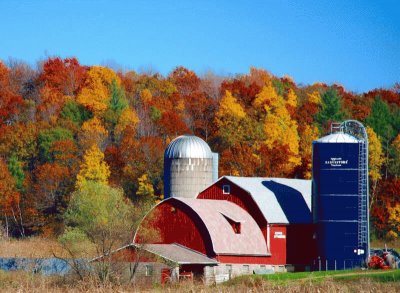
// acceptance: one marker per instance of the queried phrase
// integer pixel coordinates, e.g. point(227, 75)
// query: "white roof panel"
point(280, 200)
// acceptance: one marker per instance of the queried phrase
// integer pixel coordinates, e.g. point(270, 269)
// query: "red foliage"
point(172, 125)
point(65, 76)
point(10, 103)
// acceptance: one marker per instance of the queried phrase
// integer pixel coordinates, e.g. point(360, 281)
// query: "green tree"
point(331, 108)
point(380, 119)
point(75, 113)
point(16, 170)
point(99, 217)
point(48, 137)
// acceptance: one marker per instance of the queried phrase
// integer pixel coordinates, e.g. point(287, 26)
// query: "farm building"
point(241, 225)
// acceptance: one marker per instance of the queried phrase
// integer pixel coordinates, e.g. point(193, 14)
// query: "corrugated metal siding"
point(186, 177)
point(335, 203)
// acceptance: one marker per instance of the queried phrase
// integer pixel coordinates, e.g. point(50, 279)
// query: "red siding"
point(242, 259)
point(278, 244)
point(301, 245)
point(176, 224)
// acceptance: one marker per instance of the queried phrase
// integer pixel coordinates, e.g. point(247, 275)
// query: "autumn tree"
point(93, 133)
point(279, 127)
point(10, 202)
point(62, 75)
point(10, 103)
point(394, 167)
point(52, 186)
point(47, 138)
point(96, 90)
point(229, 120)
point(375, 161)
point(93, 168)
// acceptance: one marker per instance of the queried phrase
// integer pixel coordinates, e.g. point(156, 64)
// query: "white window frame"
point(226, 189)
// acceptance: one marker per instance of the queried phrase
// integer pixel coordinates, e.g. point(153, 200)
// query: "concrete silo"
point(340, 197)
point(188, 167)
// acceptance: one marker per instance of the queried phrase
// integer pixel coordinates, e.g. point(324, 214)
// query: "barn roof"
point(177, 253)
point(280, 200)
point(216, 216)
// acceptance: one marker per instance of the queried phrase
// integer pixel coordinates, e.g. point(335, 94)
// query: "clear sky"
point(354, 43)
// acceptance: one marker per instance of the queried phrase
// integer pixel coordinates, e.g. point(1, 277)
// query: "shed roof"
point(281, 200)
point(177, 253)
point(214, 214)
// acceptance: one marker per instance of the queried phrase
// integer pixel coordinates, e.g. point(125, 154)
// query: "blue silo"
point(340, 197)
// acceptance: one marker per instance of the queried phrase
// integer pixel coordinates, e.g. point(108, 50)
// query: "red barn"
point(244, 224)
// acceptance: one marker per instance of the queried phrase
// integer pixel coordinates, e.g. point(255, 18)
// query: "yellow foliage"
point(230, 106)
point(181, 105)
point(96, 92)
point(235, 172)
point(279, 127)
point(128, 117)
point(92, 132)
point(292, 98)
point(93, 168)
point(375, 155)
point(145, 186)
point(391, 235)
point(230, 119)
point(394, 217)
point(146, 96)
point(314, 98)
point(266, 96)
point(309, 134)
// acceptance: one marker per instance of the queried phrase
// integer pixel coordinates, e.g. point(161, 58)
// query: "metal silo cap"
point(188, 146)
point(338, 137)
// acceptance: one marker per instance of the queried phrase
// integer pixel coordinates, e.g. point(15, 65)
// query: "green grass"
point(385, 276)
point(317, 277)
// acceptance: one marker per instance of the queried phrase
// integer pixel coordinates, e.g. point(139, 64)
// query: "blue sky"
point(354, 43)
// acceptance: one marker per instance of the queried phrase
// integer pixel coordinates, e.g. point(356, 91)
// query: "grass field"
point(340, 281)
point(331, 281)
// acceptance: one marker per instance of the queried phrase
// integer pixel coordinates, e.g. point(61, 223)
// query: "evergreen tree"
point(331, 108)
point(15, 168)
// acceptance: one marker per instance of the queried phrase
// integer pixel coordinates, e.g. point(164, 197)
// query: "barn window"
point(236, 226)
point(148, 270)
point(226, 189)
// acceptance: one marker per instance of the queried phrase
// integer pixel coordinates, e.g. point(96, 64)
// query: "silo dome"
point(188, 146)
point(338, 137)
point(188, 167)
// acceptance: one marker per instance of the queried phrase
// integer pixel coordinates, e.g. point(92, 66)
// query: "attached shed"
point(281, 208)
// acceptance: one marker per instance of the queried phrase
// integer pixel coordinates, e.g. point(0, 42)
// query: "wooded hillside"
point(62, 122)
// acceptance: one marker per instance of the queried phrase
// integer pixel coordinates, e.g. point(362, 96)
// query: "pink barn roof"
point(215, 215)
